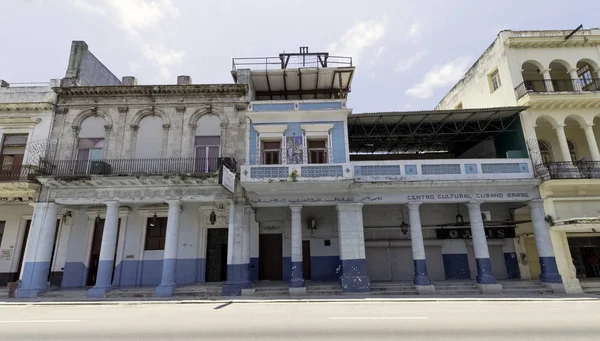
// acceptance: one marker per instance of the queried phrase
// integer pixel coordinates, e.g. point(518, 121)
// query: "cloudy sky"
point(407, 53)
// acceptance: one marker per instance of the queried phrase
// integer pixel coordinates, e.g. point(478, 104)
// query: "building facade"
point(554, 75)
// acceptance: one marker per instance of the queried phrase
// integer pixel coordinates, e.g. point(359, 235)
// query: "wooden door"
point(270, 260)
point(216, 255)
point(306, 259)
point(95, 252)
point(22, 253)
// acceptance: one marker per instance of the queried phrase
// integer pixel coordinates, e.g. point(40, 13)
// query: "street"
point(549, 320)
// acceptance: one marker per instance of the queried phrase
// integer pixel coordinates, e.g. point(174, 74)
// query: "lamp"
point(460, 220)
point(213, 217)
point(403, 226)
point(97, 220)
point(312, 224)
point(154, 219)
point(67, 214)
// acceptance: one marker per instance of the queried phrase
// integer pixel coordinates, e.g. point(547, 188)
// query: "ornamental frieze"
point(129, 193)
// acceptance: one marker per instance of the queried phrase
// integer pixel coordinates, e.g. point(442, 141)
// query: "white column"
point(168, 284)
point(548, 80)
point(575, 79)
point(421, 278)
point(38, 251)
point(352, 248)
point(591, 141)
point(543, 243)
point(254, 246)
point(480, 247)
point(297, 277)
point(246, 236)
point(237, 272)
point(106, 264)
point(562, 141)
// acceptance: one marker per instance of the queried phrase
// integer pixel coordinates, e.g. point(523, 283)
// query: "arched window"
point(572, 150)
point(207, 143)
point(545, 151)
point(149, 138)
point(91, 139)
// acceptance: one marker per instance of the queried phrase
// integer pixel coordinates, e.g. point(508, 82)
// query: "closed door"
point(401, 263)
point(306, 259)
point(378, 264)
point(216, 255)
point(22, 253)
point(533, 259)
point(270, 261)
point(435, 262)
point(95, 252)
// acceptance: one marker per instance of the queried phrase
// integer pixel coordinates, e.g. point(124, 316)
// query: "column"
point(38, 251)
point(575, 79)
point(485, 278)
point(167, 283)
point(354, 276)
point(543, 243)
point(421, 279)
point(246, 239)
point(562, 141)
point(106, 264)
point(254, 246)
point(237, 272)
point(297, 277)
point(548, 80)
point(591, 141)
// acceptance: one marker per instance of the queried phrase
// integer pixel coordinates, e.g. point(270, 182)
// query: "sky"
point(407, 53)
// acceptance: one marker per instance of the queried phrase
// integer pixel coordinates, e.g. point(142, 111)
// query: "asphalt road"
point(556, 320)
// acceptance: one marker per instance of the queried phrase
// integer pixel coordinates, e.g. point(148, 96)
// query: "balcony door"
point(88, 150)
point(13, 151)
point(207, 152)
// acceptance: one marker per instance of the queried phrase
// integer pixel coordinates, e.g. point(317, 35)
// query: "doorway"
point(95, 252)
point(216, 255)
point(585, 252)
point(22, 253)
point(270, 260)
point(306, 259)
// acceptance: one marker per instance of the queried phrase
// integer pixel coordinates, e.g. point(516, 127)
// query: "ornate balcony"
point(568, 170)
point(559, 85)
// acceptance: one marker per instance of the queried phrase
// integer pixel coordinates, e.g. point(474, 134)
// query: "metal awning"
point(427, 131)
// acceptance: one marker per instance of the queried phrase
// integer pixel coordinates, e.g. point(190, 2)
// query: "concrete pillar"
point(421, 279)
point(246, 239)
point(106, 264)
point(237, 272)
point(297, 277)
point(38, 251)
point(591, 141)
point(354, 277)
point(562, 141)
point(543, 243)
point(254, 246)
point(167, 283)
point(548, 80)
point(575, 80)
point(485, 279)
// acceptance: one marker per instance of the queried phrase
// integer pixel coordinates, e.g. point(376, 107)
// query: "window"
point(494, 79)
point(2, 223)
point(156, 231)
point(317, 151)
point(271, 152)
point(207, 149)
point(13, 151)
point(90, 149)
point(545, 152)
point(585, 77)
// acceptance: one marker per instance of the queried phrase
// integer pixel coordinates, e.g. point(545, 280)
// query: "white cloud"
point(439, 76)
point(137, 15)
point(380, 51)
point(164, 58)
point(415, 30)
point(360, 36)
point(404, 65)
point(89, 7)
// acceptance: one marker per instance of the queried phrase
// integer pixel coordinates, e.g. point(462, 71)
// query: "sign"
point(271, 226)
point(465, 233)
point(5, 254)
point(469, 196)
point(227, 179)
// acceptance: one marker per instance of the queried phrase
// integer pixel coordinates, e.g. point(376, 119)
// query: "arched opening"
point(596, 129)
point(545, 151)
point(588, 76)
point(90, 143)
point(576, 140)
point(207, 143)
point(547, 137)
point(533, 79)
point(149, 138)
point(561, 77)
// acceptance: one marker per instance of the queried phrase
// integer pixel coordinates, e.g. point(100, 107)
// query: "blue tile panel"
point(252, 145)
point(354, 276)
point(74, 275)
point(549, 270)
point(384, 170)
point(456, 266)
point(254, 269)
point(269, 172)
point(297, 277)
point(320, 106)
point(471, 168)
point(325, 268)
point(484, 271)
point(410, 169)
point(440, 169)
point(512, 265)
point(273, 107)
point(504, 168)
point(421, 277)
point(321, 171)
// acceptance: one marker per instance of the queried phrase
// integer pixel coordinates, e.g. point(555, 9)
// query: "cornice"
point(545, 42)
point(567, 100)
point(213, 89)
point(26, 107)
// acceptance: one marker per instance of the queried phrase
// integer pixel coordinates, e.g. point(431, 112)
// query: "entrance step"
point(199, 291)
point(590, 286)
point(524, 288)
point(393, 289)
point(132, 292)
point(462, 288)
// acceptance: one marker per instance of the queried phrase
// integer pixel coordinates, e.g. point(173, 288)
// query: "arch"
point(548, 119)
point(579, 119)
point(208, 125)
point(207, 111)
point(591, 62)
point(562, 62)
point(82, 116)
point(535, 63)
point(137, 118)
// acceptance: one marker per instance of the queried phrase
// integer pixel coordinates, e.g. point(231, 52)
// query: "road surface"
point(550, 320)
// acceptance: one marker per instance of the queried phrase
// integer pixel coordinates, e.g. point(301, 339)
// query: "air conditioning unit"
point(486, 215)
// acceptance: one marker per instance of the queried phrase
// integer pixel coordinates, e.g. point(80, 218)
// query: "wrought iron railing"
point(119, 167)
point(18, 173)
point(557, 85)
point(568, 170)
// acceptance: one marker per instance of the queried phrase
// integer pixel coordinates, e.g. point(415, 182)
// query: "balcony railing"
point(120, 167)
point(568, 170)
point(409, 170)
point(18, 173)
point(557, 85)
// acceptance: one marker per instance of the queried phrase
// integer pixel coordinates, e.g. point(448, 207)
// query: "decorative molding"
point(166, 126)
point(76, 129)
point(192, 126)
point(63, 110)
point(241, 107)
point(152, 111)
point(123, 110)
point(180, 108)
point(134, 127)
point(234, 90)
point(107, 128)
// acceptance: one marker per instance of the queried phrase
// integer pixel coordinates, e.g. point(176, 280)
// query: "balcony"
point(135, 167)
point(18, 174)
point(568, 170)
point(559, 85)
point(258, 176)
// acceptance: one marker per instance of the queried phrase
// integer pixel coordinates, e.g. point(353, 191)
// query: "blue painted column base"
point(30, 293)
point(34, 279)
point(164, 290)
point(421, 277)
point(98, 292)
point(512, 265)
point(237, 279)
point(484, 271)
point(354, 276)
point(549, 270)
point(297, 279)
